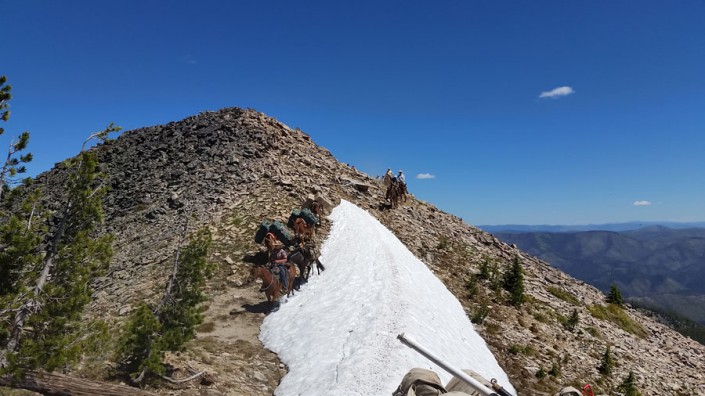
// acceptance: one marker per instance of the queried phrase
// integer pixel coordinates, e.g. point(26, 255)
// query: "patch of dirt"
point(227, 347)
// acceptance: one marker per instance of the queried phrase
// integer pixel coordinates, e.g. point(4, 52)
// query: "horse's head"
point(259, 258)
point(255, 273)
point(316, 208)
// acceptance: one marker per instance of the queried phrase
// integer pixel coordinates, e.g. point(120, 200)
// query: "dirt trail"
point(227, 347)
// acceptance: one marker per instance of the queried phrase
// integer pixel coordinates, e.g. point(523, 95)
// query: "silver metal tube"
point(445, 366)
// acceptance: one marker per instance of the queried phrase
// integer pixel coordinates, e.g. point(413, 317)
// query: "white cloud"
point(557, 92)
point(642, 203)
point(425, 176)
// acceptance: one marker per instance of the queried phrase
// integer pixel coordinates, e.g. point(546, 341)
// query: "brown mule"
point(304, 231)
point(317, 210)
point(304, 257)
point(393, 194)
point(396, 192)
point(291, 276)
point(270, 284)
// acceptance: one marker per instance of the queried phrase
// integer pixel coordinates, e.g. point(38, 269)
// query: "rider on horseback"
point(402, 184)
point(278, 259)
point(388, 176)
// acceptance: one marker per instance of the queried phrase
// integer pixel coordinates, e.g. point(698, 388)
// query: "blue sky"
point(451, 89)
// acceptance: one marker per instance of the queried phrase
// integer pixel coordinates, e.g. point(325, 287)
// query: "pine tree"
point(606, 363)
point(179, 312)
point(73, 256)
point(555, 370)
point(141, 348)
point(471, 286)
point(5, 97)
point(514, 283)
point(13, 165)
point(20, 235)
point(628, 386)
point(173, 322)
point(615, 295)
point(485, 271)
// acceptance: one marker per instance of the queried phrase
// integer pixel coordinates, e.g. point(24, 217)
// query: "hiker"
point(278, 259)
point(401, 178)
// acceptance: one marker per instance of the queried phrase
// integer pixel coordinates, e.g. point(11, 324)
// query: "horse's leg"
point(302, 268)
point(270, 306)
point(276, 294)
point(292, 273)
point(319, 266)
point(289, 280)
point(302, 271)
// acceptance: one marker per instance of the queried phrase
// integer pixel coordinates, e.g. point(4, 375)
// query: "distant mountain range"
point(616, 227)
point(655, 265)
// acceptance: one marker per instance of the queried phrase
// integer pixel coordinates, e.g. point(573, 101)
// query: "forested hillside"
point(656, 265)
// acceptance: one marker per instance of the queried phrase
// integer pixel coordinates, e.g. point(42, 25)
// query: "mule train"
point(286, 253)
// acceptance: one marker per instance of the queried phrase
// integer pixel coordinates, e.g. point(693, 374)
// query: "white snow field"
point(338, 334)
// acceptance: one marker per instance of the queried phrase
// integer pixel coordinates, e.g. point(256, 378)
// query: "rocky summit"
point(230, 169)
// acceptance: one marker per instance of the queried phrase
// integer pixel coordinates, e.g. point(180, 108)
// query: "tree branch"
point(59, 384)
point(187, 379)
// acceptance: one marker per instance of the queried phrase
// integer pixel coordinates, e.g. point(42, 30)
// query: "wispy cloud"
point(425, 176)
point(557, 92)
point(190, 59)
point(642, 203)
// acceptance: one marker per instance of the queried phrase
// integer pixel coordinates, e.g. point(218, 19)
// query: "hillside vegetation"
point(655, 266)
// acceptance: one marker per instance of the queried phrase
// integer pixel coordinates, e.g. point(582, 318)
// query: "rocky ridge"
point(230, 169)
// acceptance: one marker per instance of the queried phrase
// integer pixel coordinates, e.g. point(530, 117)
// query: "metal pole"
point(485, 391)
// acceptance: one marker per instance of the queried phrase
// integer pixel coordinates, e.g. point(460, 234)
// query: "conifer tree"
point(20, 235)
point(628, 386)
point(179, 312)
point(141, 348)
point(5, 97)
point(151, 332)
point(13, 164)
point(615, 295)
point(485, 272)
point(514, 283)
point(72, 256)
point(606, 363)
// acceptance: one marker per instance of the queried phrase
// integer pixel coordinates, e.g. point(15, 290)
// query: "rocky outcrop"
point(230, 169)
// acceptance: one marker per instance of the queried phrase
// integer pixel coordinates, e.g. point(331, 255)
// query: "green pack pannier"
point(282, 233)
point(309, 217)
point(295, 214)
point(262, 231)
